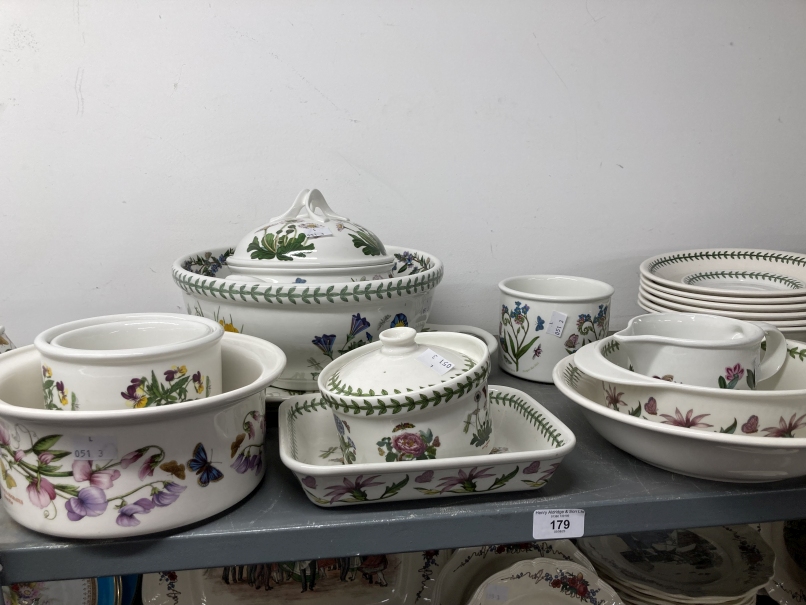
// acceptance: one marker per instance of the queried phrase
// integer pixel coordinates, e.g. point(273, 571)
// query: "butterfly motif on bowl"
point(203, 467)
point(174, 468)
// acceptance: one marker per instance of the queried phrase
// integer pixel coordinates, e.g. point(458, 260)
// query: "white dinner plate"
point(791, 316)
point(787, 327)
point(725, 303)
point(730, 272)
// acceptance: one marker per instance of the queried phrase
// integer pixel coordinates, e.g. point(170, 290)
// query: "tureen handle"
point(310, 200)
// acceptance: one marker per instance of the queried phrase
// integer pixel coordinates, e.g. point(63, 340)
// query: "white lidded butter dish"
point(117, 473)
point(411, 397)
point(130, 361)
point(530, 445)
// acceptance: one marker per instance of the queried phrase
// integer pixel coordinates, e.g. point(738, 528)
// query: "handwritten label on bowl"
point(556, 324)
point(314, 232)
point(435, 361)
point(90, 447)
point(558, 523)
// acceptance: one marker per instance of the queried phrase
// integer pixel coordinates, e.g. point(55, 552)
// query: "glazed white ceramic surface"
point(527, 348)
point(789, 316)
point(88, 591)
point(397, 579)
point(689, 441)
point(5, 341)
point(729, 272)
point(704, 565)
point(788, 540)
point(173, 465)
point(531, 444)
point(129, 361)
point(702, 350)
point(544, 581)
point(312, 242)
point(724, 303)
point(468, 567)
point(389, 405)
point(791, 329)
point(312, 323)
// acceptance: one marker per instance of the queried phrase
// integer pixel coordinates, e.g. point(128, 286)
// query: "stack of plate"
point(715, 565)
point(753, 285)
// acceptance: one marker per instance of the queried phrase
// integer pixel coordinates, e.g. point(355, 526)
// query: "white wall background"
point(564, 136)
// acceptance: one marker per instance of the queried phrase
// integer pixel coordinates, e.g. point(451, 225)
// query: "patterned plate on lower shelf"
point(530, 443)
point(400, 579)
point(89, 591)
point(788, 540)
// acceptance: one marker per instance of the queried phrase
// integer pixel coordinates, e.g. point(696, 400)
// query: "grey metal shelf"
point(278, 523)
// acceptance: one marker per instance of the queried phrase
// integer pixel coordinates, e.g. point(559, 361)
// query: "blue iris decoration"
point(325, 343)
point(540, 324)
point(339, 425)
point(369, 337)
point(358, 324)
point(299, 280)
point(399, 321)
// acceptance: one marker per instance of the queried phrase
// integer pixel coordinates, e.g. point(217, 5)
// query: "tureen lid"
point(398, 364)
point(309, 236)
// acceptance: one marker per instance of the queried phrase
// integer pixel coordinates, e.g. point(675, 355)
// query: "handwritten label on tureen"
point(435, 361)
point(557, 324)
point(558, 523)
point(91, 447)
point(314, 232)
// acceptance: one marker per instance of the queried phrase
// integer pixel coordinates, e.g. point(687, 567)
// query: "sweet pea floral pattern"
point(57, 397)
point(85, 488)
point(247, 449)
point(145, 392)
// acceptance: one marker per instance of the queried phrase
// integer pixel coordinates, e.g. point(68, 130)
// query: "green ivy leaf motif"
point(731, 429)
point(285, 246)
point(637, 411)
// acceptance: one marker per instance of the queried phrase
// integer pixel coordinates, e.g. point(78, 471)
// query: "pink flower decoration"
point(19, 455)
point(5, 437)
point(41, 495)
point(147, 470)
point(45, 458)
point(735, 372)
point(82, 471)
point(751, 426)
point(131, 458)
point(409, 443)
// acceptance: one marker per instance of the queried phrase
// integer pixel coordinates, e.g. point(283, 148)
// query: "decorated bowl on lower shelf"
point(678, 433)
point(109, 474)
point(530, 445)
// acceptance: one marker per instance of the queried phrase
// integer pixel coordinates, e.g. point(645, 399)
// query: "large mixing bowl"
point(312, 323)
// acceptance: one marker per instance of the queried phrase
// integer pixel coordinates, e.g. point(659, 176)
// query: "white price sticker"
point(435, 361)
point(91, 447)
point(557, 324)
point(496, 592)
point(558, 523)
point(314, 232)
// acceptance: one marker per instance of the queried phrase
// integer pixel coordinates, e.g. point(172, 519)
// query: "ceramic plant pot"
point(411, 397)
point(111, 474)
point(130, 361)
point(543, 318)
point(313, 323)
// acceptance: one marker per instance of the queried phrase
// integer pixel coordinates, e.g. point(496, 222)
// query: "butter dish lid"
point(309, 236)
point(403, 361)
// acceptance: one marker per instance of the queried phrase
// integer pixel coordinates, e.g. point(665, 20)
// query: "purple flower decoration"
point(532, 468)
point(91, 502)
point(336, 492)
point(426, 477)
point(358, 325)
point(465, 480)
point(170, 375)
point(325, 343)
point(651, 407)
point(45, 458)
point(147, 470)
point(751, 426)
point(736, 372)
point(309, 482)
point(126, 515)
point(241, 464)
point(19, 455)
point(399, 321)
point(131, 458)
point(537, 352)
point(5, 437)
point(168, 494)
point(82, 471)
point(41, 493)
point(409, 443)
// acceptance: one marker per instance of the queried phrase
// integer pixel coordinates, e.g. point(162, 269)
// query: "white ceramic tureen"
point(117, 473)
point(411, 397)
point(319, 311)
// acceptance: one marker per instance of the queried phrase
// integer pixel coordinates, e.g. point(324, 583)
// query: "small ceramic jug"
point(702, 350)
